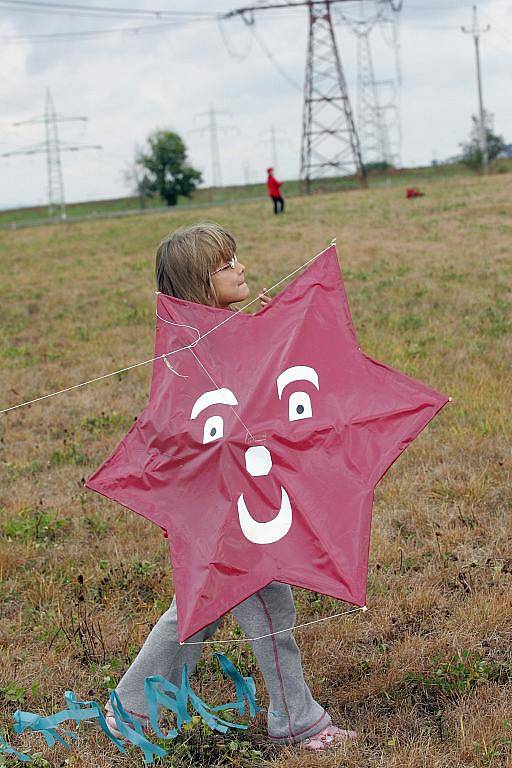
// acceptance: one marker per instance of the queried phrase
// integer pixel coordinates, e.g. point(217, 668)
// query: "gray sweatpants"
point(293, 714)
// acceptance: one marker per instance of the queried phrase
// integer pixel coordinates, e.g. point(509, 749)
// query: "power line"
point(274, 61)
point(31, 6)
point(92, 33)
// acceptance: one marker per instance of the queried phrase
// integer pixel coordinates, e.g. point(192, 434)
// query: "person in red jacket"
point(274, 191)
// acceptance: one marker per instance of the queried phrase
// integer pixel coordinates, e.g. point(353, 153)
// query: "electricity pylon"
point(330, 141)
point(377, 117)
point(272, 141)
point(371, 121)
point(52, 147)
point(213, 129)
point(476, 32)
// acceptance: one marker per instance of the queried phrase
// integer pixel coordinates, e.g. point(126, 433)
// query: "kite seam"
point(277, 632)
point(158, 357)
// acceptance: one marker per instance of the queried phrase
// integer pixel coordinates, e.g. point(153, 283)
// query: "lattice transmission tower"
point(214, 129)
point(378, 109)
point(56, 200)
point(330, 143)
point(371, 120)
point(52, 147)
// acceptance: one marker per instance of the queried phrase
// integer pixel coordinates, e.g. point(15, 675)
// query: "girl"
point(199, 264)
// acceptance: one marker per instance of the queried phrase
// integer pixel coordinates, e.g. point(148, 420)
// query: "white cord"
point(158, 357)
point(217, 387)
point(278, 632)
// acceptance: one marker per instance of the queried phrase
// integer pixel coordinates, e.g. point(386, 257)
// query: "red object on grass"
point(267, 472)
point(413, 192)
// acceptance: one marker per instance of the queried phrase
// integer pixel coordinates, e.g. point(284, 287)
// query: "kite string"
point(178, 325)
point(217, 387)
point(278, 632)
point(165, 354)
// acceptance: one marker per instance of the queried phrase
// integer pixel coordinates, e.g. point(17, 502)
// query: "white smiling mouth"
point(273, 530)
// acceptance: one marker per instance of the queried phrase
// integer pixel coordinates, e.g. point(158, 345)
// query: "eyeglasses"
point(230, 265)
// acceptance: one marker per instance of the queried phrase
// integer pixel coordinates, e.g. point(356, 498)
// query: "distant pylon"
point(213, 130)
point(56, 200)
point(272, 141)
point(330, 143)
point(371, 123)
point(52, 147)
point(476, 31)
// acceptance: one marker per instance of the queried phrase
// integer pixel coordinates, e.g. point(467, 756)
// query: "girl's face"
point(229, 283)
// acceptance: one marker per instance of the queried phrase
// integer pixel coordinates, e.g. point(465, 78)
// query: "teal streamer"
point(245, 688)
point(156, 689)
point(160, 694)
point(8, 750)
point(78, 708)
point(132, 730)
point(47, 726)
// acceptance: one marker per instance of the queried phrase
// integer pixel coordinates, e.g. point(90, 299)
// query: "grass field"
point(206, 196)
point(425, 675)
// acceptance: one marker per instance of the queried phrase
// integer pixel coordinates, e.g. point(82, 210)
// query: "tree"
point(164, 168)
point(472, 155)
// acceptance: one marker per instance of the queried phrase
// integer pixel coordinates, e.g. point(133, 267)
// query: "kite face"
point(261, 446)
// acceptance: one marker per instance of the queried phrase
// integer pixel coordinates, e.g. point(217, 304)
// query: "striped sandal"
point(112, 725)
point(327, 738)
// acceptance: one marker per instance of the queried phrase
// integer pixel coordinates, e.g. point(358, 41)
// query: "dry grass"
point(426, 674)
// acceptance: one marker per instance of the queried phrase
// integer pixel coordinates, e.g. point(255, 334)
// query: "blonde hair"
point(186, 258)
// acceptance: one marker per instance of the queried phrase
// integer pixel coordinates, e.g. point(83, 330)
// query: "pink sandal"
point(326, 738)
point(112, 725)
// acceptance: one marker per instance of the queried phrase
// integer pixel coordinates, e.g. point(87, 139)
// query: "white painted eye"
point(213, 429)
point(299, 406)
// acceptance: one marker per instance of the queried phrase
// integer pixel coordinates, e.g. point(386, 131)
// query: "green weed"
point(104, 422)
point(494, 321)
point(82, 333)
point(69, 454)
point(96, 525)
point(496, 751)
point(13, 353)
point(12, 692)
point(134, 314)
point(33, 525)
point(410, 322)
point(197, 745)
point(458, 676)
point(15, 471)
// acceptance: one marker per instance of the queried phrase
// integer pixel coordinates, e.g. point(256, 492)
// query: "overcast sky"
point(129, 83)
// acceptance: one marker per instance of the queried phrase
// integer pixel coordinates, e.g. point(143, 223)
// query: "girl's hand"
point(264, 298)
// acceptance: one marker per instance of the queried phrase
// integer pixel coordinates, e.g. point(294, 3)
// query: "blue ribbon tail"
point(156, 689)
point(8, 750)
point(160, 693)
point(47, 726)
point(131, 729)
point(85, 710)
point(245, 686)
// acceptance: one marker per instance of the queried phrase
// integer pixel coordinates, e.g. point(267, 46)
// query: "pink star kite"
point(262, 443)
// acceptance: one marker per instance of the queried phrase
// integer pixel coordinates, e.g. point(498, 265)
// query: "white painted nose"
point(258, 461)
